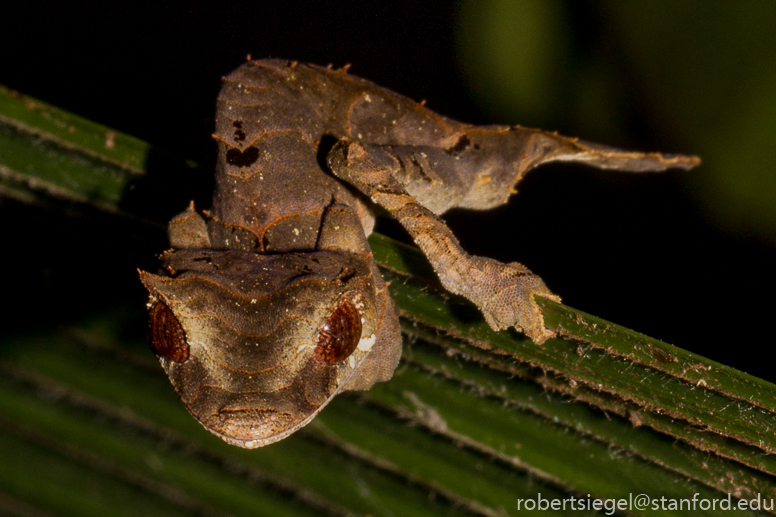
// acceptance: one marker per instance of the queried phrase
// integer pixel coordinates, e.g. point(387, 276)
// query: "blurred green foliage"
point(697, 77)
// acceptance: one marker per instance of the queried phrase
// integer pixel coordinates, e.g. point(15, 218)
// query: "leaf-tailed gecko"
point(272, 302)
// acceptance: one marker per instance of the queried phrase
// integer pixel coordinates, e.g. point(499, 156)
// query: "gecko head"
point(255, 345)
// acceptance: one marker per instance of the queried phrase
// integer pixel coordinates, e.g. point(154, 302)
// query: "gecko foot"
point(505, 295)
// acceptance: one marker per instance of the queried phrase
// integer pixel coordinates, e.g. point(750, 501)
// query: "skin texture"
point(271, 302)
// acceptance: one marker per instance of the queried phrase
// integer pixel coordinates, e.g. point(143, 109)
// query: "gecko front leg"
point(415, 183)
point(503, 292)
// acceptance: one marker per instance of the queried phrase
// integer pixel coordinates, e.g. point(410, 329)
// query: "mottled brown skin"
point(272, 302)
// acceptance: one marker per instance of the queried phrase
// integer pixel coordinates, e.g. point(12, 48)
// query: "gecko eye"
point(168, 336)
point(340, 335)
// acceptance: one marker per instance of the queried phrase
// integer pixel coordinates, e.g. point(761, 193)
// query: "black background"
point(631, 249)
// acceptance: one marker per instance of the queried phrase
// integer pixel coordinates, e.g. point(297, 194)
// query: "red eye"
point(168, 336)
point(340, 335)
